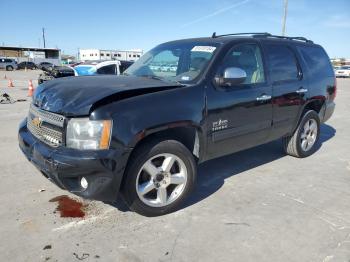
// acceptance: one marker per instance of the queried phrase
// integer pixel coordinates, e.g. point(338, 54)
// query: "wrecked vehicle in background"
point(100, 68)
point(50, 73)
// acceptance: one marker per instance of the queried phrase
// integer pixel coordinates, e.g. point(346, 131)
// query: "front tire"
point(9, 68)
point(304, 140)
point(159, 177)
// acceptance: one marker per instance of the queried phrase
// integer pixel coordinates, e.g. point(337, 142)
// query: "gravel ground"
point(256, 205)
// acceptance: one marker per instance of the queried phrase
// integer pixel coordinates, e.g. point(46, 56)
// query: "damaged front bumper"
point(65, 167)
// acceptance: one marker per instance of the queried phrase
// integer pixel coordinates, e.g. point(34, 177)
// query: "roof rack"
point(298, 38)
point(214, 35)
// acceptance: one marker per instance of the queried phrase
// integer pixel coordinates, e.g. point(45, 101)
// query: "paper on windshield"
point(203, 48)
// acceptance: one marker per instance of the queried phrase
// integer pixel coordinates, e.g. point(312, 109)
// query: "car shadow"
point(212, 174)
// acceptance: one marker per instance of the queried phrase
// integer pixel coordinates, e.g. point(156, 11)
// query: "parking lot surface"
point(256, 205)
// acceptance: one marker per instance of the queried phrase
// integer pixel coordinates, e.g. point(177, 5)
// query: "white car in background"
point(94, 68)
point(343, 71)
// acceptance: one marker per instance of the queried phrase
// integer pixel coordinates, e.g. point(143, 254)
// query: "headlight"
point(83, 133)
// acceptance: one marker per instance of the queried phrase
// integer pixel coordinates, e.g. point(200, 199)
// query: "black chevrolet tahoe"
point(182, 103)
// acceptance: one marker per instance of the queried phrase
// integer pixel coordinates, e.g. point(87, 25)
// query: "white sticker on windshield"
point(185, 78)
point(202, 48)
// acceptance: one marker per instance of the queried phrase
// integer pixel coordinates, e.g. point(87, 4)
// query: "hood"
point(75, 96)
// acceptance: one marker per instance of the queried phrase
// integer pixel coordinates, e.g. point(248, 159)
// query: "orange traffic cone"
point(10, 83)
point(30, 88)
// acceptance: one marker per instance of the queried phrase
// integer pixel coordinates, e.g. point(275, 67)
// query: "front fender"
point(137, 117)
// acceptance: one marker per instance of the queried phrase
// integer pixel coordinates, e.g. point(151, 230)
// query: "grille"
point(46, 126)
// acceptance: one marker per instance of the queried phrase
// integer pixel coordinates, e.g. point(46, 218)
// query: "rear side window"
point(282, 63)
point(317, 61)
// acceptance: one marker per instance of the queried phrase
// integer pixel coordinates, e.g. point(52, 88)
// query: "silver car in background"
point(343, 71)
point(8, 64)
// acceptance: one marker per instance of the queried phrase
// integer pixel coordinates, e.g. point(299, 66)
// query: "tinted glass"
point(282, 63)
point(248, 58)
point(317, 61)
point(108, 70)
point(123, 66)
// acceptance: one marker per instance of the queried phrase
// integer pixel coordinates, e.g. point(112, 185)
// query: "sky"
point(142, 24)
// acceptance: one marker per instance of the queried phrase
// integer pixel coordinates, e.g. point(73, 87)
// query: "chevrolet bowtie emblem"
point(36, 121)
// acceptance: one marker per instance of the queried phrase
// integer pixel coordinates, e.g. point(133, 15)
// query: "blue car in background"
point(104, 68)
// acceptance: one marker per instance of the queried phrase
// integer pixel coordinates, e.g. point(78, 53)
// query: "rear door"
point(239, 116)
point(289, 87)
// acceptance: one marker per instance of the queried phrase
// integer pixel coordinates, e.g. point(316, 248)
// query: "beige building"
point(33, 54)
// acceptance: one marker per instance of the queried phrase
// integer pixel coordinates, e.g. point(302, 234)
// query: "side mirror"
point(232, 76)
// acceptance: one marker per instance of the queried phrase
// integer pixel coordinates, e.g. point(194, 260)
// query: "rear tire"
point(304, 140)
point(151, 189)
point(9, 68)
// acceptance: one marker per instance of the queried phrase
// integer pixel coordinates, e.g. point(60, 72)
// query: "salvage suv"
point(144, 132)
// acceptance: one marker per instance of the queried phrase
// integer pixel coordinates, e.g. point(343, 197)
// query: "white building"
point(99, 54)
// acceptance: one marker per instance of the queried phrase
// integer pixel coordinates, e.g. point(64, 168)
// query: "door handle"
point(301, 91)
point(263, 98)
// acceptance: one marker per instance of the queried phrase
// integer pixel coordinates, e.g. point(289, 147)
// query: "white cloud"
point(220, 11)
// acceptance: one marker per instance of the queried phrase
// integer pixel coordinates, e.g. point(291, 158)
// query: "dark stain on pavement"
point(69, 207)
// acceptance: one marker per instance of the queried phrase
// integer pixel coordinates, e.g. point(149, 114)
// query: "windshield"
point(344, 67)
point(176, 61)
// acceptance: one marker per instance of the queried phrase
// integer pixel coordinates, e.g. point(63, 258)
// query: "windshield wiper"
point(162, 79)
point(153, 77)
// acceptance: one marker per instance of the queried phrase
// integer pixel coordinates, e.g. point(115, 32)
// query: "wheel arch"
point(316, 105)
point(190, 135)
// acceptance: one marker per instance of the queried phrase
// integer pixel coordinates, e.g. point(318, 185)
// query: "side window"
point(317, 61)
point(248, 58)
point(123, 66)
point(107, 70)
point(282, 63)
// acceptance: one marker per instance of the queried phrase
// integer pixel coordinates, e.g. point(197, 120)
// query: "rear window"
point(317, 61)
point(282, 63)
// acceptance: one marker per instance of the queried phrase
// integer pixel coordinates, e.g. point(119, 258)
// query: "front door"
point(239, 116)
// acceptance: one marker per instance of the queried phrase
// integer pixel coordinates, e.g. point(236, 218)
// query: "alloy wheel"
point(161, 180)
point(309, 134)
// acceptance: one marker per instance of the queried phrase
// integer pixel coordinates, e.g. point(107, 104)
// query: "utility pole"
point(284, 17)
point(44, 37)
